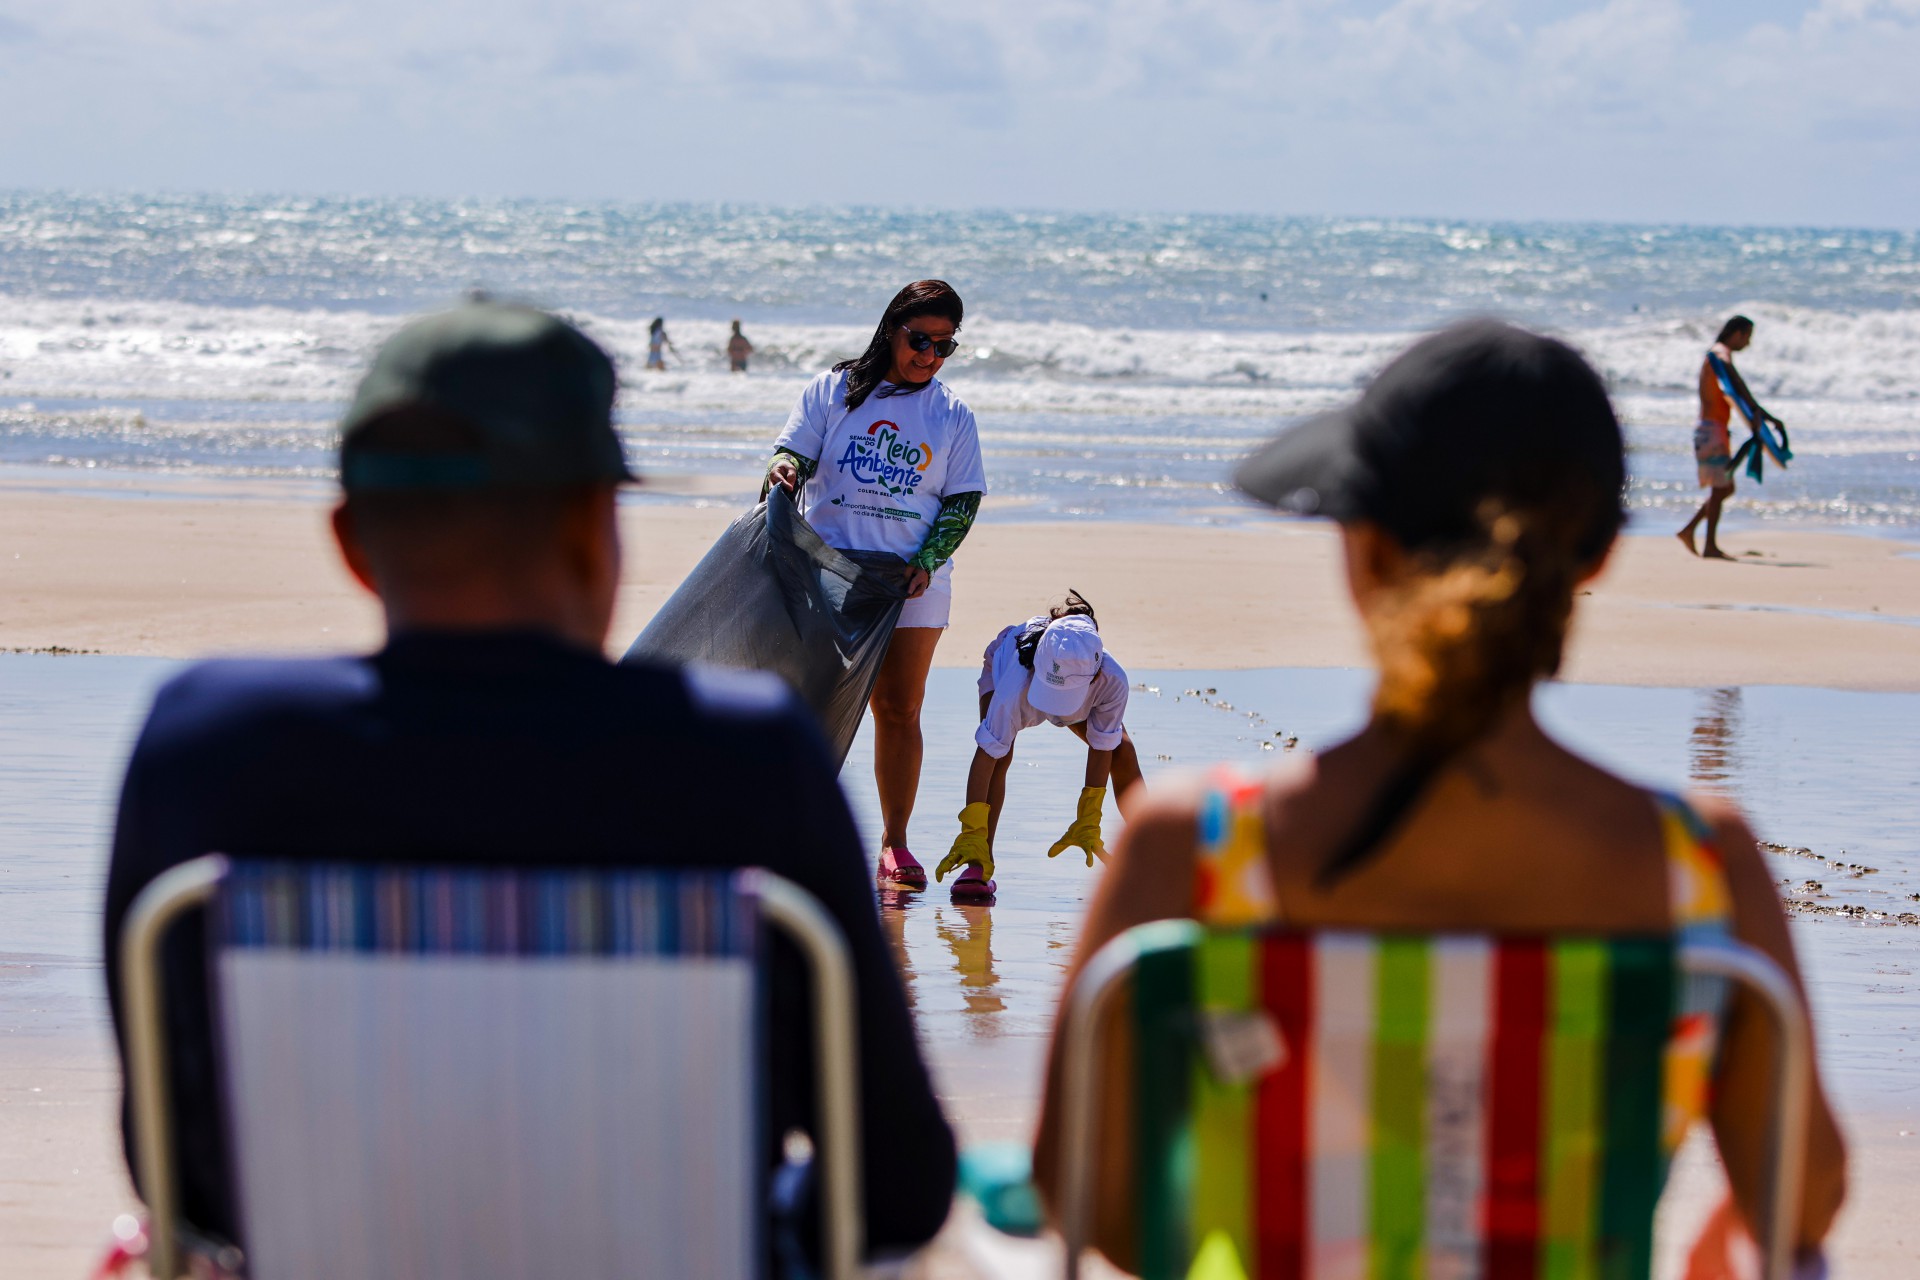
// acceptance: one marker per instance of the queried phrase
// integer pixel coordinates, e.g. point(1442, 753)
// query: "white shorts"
point(934, 606)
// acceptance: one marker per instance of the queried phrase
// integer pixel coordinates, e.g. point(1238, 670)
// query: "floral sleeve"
point(950, 527)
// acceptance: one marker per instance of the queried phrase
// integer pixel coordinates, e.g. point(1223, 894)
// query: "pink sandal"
point(971, 886)
point(899, 868)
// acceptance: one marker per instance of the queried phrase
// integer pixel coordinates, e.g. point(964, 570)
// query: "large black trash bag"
point(773, 597)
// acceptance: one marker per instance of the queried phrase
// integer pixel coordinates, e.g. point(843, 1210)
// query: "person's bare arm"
point(980, 774)
point(1149, 876)
point(1742, 1105)
point(1740, 385)
point(1099, 767)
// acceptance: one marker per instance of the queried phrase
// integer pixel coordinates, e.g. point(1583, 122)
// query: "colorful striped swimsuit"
point(1386, 1105)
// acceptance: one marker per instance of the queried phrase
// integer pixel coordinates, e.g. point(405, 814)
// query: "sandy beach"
point(139, 566)
point(180, 569)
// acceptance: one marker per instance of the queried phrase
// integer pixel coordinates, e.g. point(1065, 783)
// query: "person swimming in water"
point(1712, 436)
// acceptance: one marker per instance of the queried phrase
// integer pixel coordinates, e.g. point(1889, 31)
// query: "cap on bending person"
point(1477, 484)
point(479, 468)
point(1050, 669)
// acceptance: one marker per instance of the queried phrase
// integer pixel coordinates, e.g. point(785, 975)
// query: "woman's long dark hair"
point(921, 298)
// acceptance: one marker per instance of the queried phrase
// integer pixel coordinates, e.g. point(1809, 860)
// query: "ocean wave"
point(87, 349)
point(1074, 417)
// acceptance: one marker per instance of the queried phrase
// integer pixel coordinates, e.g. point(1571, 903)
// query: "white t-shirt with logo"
point(885, 466)
point(1004, 680)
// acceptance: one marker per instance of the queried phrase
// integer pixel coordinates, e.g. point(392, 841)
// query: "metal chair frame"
point(782, 904)
point(1092, 997)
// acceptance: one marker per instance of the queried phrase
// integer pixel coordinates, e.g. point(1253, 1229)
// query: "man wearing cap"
point(480, 467)
point(1051, 669)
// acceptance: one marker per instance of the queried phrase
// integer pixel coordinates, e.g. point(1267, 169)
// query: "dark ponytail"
point(921, 298)
point(1074, 606)
point(1461, 643)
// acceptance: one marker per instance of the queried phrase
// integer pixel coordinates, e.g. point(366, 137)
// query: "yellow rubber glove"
point(970, 845)
point(1084, 834)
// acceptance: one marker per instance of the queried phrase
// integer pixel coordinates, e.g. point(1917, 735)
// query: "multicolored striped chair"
point(1333, 1105)
point(435, 1072)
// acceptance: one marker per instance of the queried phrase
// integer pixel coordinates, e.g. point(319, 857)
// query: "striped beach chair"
point(1335, 1105)
point(479, 1074)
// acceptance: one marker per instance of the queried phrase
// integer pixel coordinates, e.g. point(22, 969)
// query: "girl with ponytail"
point(1477, 484)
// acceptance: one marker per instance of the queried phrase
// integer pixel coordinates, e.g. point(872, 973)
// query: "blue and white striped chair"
point(490, 1073)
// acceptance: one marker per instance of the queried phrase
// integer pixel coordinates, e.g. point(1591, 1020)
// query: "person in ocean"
point(738, 349)
point(1051, 669)
point(1712, 436)
point(883, 456)
point(658, 344)
point(1476, 485)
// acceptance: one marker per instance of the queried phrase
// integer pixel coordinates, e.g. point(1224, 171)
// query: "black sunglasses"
point(942, 347)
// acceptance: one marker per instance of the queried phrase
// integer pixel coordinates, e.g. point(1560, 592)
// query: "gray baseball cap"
point(526, 400)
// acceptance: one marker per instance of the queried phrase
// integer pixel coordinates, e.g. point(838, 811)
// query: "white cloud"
point(1617, 108)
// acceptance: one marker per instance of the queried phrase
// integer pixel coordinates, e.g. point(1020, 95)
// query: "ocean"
point(1119, 365)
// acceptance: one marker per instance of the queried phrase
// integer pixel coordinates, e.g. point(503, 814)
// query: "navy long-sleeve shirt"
point(515, 748)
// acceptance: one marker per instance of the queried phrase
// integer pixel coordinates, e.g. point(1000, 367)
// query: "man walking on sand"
point(1712, 436)
point(479, 470)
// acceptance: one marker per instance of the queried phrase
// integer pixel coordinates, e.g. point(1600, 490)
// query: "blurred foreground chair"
point(1397, 1107)
point(1334, 1105)
point(493, 1074)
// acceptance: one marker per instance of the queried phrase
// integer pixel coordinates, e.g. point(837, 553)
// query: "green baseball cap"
point(525, 398)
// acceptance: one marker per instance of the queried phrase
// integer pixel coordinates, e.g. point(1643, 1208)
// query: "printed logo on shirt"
point(883, 457)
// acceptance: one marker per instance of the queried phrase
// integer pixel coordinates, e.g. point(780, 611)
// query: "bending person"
point(883, 456)
point(1478, 485)
point(1713, 438)
point(1052, 669)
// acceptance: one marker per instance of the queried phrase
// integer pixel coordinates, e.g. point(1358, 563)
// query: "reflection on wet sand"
point(1713, 745)
point(1834, 772)
point(894, 905)
point(968, 932)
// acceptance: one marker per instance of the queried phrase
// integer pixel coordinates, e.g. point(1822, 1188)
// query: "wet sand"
point(147, 564)
point(168, 568)
point(983, 980)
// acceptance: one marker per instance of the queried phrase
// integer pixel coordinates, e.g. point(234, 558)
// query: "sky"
point(1703, 111)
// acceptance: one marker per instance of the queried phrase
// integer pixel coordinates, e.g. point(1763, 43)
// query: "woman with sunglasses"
point(883, 456)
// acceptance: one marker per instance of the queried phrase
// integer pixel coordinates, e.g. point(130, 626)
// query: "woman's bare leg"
point(897, 744)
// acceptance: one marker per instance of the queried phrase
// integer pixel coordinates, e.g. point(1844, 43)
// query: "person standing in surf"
point(658, 344)
point(1712, 436)
point(738, 349)
point(883, 456)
